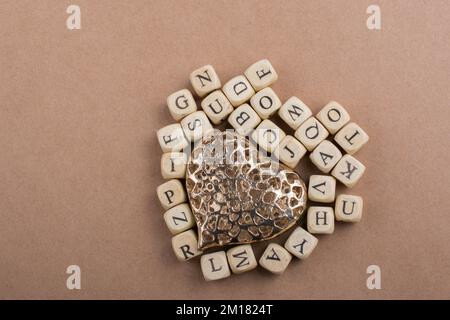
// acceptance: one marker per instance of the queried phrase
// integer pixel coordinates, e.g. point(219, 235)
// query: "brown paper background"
point(79, 158)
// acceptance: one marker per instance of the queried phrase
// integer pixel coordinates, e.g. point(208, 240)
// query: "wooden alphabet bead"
point(275, 258)
point(321, 188)
point(204, 80)
point(268, 135)
point(265, 103)
point(215, 266)
point(181, 103)
point(348, 170)
point(311, 133)
point(241, 258)
point(333, 116)
point(196, 126)
point(301, 243)
point(238, 90)
point(244, 119)
point(216, 106)
point(325, 156)
point(320, 220)
point(171, 193)
point(173, 165)
point(179, 218)
point(351, 138)
point(261, 74)
point(348, 208)
point(289, 151)
point(171, 138)
point(294, 112)
point(185, 245)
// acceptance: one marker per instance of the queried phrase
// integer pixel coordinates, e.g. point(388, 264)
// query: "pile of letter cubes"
point(247, 102)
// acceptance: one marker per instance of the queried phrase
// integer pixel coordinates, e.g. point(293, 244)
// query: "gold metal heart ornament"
point(239, 195)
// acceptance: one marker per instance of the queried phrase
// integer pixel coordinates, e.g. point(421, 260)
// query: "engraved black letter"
point(274, 135)
point(262, 74)
point(169, 194)
point(301, 246)
point(314, 126)
point(244, 87)
point(343, 207)
point(192, 125)
point(290, 151)
point(241, 119)
point(350, 170)
point(186, 252)
point(269, 99)
point(175, 218)
point(185, 102)
point(213, 268)
point(349, 139)
point(215, 111)
point(206, 78)
point(244, 260)
point(297, 111)
point(319, 185)
point(324, 218)
point(325, 156)
point(337, 112)
point(169, 139)
point(274, 256)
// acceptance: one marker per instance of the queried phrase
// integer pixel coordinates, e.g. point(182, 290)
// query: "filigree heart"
point(238, 195)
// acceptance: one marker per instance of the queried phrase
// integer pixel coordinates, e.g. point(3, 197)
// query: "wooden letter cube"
point(238, 90)
point(171, 193)
point(294, 112)
point(196, 126)
point(241, 258)
point(173, 165)
point(261, 74)
point(244, 119)
point(216, 106)
point(205, 80)
point(265, 103)
point(171, 138)
point(311, 133)
point(289, 151)
point(301, 243)
point(348, 170)
point(181, 103)
point(215, 266)
point(348, 208)
point(185, 245)
point(275, 258)
point(351, 138)
point(320, 220)
point(333, 116)
point(325, 156)
point(179, 218)
point(267, 135)
point(321, 188)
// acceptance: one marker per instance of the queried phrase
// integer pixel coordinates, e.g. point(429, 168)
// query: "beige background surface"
point(79, 158)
